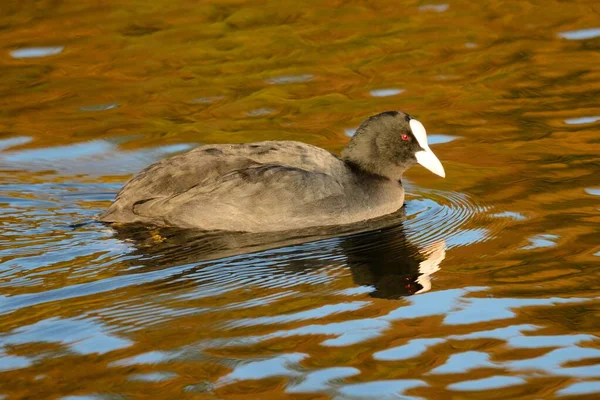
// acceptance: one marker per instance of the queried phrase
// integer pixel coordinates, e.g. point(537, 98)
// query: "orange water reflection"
point(91, 93)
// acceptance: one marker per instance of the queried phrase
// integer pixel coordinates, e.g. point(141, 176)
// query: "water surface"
point(484, 286)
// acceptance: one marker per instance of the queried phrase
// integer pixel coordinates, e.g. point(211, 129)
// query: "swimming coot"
point(279, 185)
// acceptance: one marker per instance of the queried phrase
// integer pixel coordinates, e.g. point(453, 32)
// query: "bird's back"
point(261, 186)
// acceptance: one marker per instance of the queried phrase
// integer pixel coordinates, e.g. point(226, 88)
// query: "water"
point(484, 286)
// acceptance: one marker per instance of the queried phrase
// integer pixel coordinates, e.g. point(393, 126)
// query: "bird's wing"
point(266, 195)
point(210, 163)
point(232, 179)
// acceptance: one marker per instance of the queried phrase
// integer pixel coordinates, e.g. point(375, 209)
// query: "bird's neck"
point(373, 171)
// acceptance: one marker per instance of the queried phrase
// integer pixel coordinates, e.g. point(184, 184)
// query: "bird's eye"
point(405, 136)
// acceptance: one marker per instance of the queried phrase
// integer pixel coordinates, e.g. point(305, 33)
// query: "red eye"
point(405, 136)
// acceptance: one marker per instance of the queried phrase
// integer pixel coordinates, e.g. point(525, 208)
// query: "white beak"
point(426, 157)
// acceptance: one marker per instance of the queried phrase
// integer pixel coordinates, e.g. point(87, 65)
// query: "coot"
point(279, 185)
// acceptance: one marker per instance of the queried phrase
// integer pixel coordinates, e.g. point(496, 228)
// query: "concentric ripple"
point(455, 217)
point(392, 256)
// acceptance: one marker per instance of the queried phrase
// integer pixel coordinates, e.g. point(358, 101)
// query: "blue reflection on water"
point(380, 389)
point(99, 107)
point(539, 241)
point(14, 141)
point(321, 380)
point(592, 387)
point(385, 92)
point(438, 138)
point(81, 336)
point(258, 112)
point(36, 52)
point(580, 34)
point(593, 191)
point(582, 120)
point(413, 348)
point(493, 382)
point(152, 377)
point(509, 214)
point(10, 362)
point(95, 157)
point(290, 79)
point(434, 7)
point(282, 365)
point(463, 362)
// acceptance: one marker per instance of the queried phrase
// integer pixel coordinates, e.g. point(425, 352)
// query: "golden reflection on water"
point(93, 92)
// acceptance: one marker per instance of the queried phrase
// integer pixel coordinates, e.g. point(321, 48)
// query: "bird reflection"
point(377, 252)
point(390, 263)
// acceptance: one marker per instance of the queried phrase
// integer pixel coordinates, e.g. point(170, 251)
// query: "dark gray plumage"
point(274, 185)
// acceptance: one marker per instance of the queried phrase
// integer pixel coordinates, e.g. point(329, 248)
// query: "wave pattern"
point(485, 286)
point(306, 293)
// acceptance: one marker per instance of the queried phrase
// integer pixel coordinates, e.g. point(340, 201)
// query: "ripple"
point(541, 241)
point(360, 254)
point(100, 107)
point(350, 131)
point(551, 362)
point(582, 120)
point(493, 382)
point(437, 138)
point(593, 191)
point(76, 150)
point(434, 7)
point(509, 214)
point(321, 380)
point(385, 92)
point(380, 389)
point(14, 141)
point(283, 365)
point(260, 112)
point(309, 316)
point(152, 377)
point(152, 357)
point(10, 304)
point(208, 100)
point(379, 261)
point(463, 362)
point(279, 80)
point(80, 336)
point(474, 310)
point(36, 52)
point(438, 214)
point(95, 157)
point(453, 304)
point(580, 34)
point(539, 341)
point(412, 349)
point(9, 363)
point(319, 312)
point(592, 387)
point(499, 333)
